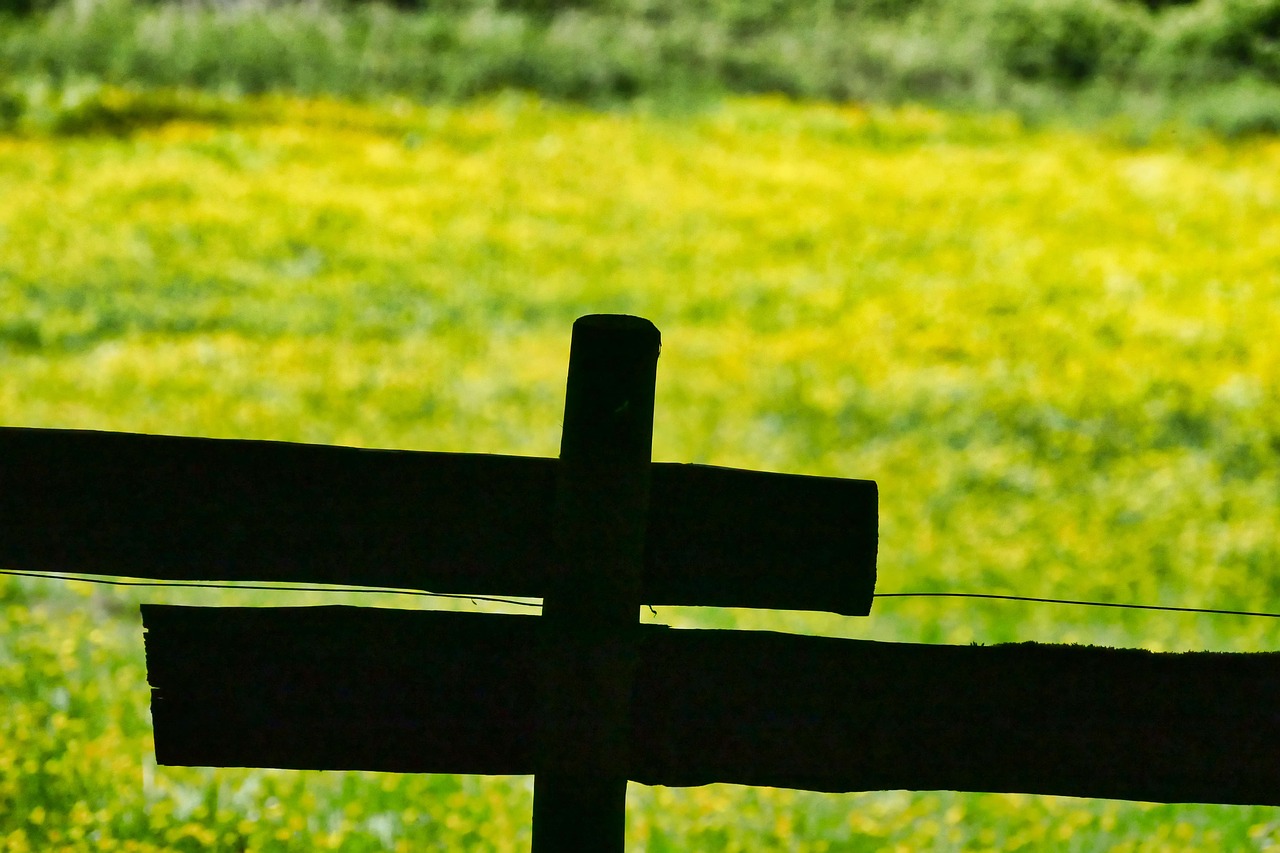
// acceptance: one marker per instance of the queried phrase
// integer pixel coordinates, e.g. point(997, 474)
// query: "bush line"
point(1212, 63)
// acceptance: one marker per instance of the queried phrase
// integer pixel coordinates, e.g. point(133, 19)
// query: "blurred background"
point(1015, 260)
point(1212, 63)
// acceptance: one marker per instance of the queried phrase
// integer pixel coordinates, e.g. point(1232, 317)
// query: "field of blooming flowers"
point(1055, 352)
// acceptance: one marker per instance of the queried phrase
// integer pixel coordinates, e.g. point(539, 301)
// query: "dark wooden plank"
point(341, 687)
point(177, 508)
point(587, 655)
point(222, 509)
point(437, 692)
point(760, 708)
point(725, 537)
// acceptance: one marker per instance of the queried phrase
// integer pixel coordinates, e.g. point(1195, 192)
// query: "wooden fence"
point(583, 696)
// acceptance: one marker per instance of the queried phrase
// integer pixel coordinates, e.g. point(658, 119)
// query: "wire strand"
point(219, 585)
point(1073, 601)
point(367, 590)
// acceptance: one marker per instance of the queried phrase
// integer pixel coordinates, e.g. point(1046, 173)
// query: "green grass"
point(1211, 64)
point(1053, 350)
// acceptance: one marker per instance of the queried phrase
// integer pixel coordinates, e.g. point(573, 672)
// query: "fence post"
point(590, 614)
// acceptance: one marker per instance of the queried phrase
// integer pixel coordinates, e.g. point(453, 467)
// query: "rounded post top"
point(614, 321)
point(608, 413)
point(618, 324)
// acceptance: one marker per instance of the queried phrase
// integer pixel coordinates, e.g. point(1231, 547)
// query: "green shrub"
point(1066, 42)
point(1160, 5)
point(1218, 40)
point(23, 8)
point(1246, 108)
point(1048, 60)
point(12, 106)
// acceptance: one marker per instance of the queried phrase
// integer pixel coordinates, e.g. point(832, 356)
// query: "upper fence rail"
point(177, 508)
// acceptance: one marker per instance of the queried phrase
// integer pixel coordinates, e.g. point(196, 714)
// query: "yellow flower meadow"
point(1054, 351)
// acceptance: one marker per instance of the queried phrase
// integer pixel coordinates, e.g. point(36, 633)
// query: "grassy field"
point(1209, 64)
point(1054, 351)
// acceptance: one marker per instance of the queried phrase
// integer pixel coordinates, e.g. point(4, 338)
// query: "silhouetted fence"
point(584, 697)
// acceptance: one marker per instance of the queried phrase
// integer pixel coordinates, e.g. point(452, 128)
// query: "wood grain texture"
point(414, 691)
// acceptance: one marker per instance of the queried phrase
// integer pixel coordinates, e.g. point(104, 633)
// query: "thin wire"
point(215, 585)
point(1071, 601)
point(512, 601)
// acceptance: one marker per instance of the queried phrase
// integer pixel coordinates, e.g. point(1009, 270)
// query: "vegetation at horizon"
point(1142, 67)
point(1053, 350)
